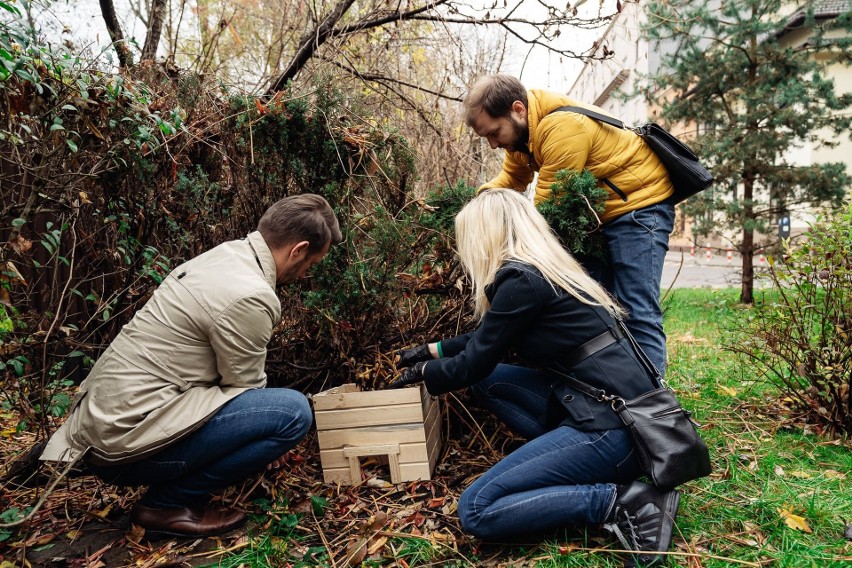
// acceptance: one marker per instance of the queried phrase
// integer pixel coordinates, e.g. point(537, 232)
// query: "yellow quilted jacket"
point(567, 140)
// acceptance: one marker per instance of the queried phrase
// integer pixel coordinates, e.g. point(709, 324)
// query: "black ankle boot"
point(642, 519)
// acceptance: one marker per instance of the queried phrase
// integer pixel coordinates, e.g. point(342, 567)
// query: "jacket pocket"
point(575, 403)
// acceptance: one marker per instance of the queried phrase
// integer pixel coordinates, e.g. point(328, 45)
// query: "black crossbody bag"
point(669, 448)
point(685, 171)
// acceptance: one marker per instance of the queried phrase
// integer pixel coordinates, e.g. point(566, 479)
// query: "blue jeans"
point(245, 435)
point(638, 242)
point(561, 477)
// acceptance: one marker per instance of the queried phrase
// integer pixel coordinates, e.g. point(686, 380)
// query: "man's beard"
point(522, 136)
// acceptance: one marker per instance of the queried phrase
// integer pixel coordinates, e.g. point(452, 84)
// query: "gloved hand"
point(410, 376)
point(407, 357)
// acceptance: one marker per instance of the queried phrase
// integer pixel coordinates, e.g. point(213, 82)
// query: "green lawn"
point(770, 470)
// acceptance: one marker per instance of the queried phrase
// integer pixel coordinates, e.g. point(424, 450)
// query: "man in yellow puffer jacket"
point(638, 218)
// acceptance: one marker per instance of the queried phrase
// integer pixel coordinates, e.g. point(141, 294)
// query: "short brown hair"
point(296, 218)
point(495, 95)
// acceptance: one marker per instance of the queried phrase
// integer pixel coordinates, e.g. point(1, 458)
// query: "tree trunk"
point(309, 44)
point(125, 58)
point(747, 252)
point(155, 27)
point(747, 289)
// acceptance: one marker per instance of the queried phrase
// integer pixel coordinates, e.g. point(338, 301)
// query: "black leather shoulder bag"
point(685, 171)
point(665, 436)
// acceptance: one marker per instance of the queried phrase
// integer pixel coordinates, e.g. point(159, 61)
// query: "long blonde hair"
point(501, 225)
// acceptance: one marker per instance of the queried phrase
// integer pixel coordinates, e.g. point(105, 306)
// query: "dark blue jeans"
point(638, 242)
point(245, 435)
point(561, 477)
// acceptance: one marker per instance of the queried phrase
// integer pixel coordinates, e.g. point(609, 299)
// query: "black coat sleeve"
point(516, 304)
point(455, 345)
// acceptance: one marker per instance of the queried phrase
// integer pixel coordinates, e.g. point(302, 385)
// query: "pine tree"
point(727, 69)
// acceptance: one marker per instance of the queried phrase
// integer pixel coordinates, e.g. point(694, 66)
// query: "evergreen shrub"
point(572, 209)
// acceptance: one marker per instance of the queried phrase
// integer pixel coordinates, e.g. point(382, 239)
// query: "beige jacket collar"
point(264, 257)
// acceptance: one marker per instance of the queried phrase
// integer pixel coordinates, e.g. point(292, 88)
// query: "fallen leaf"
point(103, 512)
point(794, 521)
point(800, 474)
point(356, 551)
point(378, 483)
point(135, 533)
point(567, 548)
point(727, 390)
point(436, 502)
point(378, 522)
point(779, 471)
point(376, 545)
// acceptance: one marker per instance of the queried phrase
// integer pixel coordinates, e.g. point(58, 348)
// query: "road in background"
point(688, 271)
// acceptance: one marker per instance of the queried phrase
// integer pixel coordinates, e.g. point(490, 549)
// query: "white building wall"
point(607, 83)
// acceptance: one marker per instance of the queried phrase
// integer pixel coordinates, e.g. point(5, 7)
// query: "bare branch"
point(393, 17)
point(384, 79)
point(309, 44)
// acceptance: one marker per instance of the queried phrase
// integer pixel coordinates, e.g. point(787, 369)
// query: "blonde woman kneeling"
point(578, 466)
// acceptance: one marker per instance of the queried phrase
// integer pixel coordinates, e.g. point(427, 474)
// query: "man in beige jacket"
point(176, 402)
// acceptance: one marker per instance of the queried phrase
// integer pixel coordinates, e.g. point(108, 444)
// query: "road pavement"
point(682, 270)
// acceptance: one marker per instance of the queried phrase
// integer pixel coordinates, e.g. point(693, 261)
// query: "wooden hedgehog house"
point(402, 424)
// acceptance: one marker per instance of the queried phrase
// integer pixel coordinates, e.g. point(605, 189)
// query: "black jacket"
point(543, 326)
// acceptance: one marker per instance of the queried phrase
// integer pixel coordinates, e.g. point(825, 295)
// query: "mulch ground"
point(84, 523)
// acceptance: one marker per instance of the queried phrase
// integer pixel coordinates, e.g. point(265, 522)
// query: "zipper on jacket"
point(615, 188)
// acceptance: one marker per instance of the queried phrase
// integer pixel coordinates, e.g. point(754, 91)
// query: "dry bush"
point(110, 180)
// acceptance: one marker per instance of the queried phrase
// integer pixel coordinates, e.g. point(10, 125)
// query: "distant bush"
point(799, 333)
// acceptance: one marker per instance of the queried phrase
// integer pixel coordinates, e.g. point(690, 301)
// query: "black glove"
point(410, 376)
point(407, 357)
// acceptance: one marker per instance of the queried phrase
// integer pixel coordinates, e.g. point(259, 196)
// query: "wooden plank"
point(354, 468)
point(337, 475)
point(336, 458)
point(371, 435)
point(361, 451)
point(428, 402)
point(415, 471)
point(407, 472)
point(328, 400)
point(433, 448)
point(434, 429)
point(376, 416)
point(432, 418)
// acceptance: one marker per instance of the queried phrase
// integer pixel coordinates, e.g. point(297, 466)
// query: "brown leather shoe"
point(186, 521)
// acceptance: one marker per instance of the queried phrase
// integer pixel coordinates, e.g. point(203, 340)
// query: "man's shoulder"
point(226, 274)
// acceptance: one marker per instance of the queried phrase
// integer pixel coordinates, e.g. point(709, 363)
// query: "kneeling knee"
point(303, 417)
point(468, 518)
